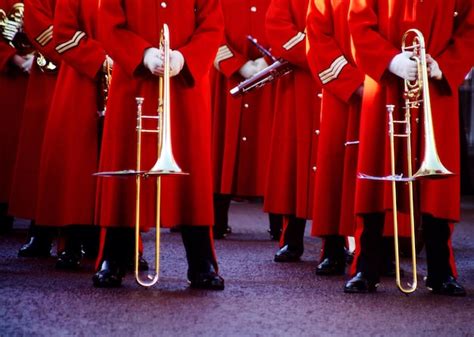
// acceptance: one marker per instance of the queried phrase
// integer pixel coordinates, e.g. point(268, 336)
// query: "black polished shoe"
point(221, 232)
point(209, 281)
point(36, 247)
point(449, 287)
point(109, 276)
point(360, 285)
point(69, 260)
point(287, 254)
point(331, 267)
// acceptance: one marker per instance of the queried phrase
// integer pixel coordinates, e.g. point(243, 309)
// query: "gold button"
point(253, 9)
point(320, 95)
point(314, 168)
point(456, 14)
point(164, 5)
point(246, 105)
point(244, 139)
point(316, 132)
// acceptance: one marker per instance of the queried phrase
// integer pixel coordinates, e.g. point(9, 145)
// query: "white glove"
point(248, 69)
point(26, 67)
point(433, 68)
point(23, 62)
point(260, 64)
point(404, 67)
point(176, 62)
point(153, 61)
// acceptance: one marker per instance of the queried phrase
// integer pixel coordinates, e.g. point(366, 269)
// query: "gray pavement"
point(262, 298)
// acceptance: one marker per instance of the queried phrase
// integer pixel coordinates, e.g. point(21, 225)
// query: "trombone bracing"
point(416, 94)
point(165, 164)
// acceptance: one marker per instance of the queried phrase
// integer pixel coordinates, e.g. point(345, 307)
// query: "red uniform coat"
point(241, 127)
point(377, 28)
point(70, 150)
point(330, 59)
point(130, 27)
point(13, 83)
point(292, 163)
point(38, 23)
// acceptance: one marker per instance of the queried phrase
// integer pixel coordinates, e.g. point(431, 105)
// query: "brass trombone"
point(416, 94)
point(165, 164)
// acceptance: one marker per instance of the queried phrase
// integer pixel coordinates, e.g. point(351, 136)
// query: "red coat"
point(130, 27)
point(377, 28)
point(38, 23)
point(292, 165)
point(330, 59)
point(70, 150)
point(13, 83)
point(241, 127)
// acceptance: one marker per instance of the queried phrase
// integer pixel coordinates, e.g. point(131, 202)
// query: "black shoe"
point(69, 260)
point(221, 232)
point(331, 267)
point(360, 285)
point(142, 264)
point(450, 287)
point(209, 281)
point(109, 276)
point(286, 254)
point(36, 247)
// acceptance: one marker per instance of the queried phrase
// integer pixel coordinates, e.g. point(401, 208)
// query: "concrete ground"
point(262, 298)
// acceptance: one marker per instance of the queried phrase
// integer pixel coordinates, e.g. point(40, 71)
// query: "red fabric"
point(241, 126)
point(292, 163)
point(38, 17)
point(328, 41)
point(128, 28)
point(377, 28)
point(13, 83)
point(66, 192)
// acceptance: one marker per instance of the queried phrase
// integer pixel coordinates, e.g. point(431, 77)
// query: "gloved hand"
point(28, 63)
point(433, 68)
point(248, 69)
point(153, 61)
point(23, 62)
point(176, 62)
point(404, 67)
point(260, 64)
point(11, 28)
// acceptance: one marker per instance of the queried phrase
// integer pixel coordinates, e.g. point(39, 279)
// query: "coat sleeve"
point(74, 46)
point(363, 24)
point(38, 25)
point(286, 39)
point(200, 51)
point(228, 60)
point(326, 59)
point(124, 46)
point(456, 60)
point(6, 51)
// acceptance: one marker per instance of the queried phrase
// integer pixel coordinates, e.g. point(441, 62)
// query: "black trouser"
point(199, 249)
point(81, 237)
point(436, 233)
point(333, 247)
point(119, 246)
point(293, 233)
point(221, 211)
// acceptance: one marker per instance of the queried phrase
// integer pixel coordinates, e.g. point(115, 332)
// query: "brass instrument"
point(278, 68)
point(11, 28)
point(416, 94)
point(165, 164)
